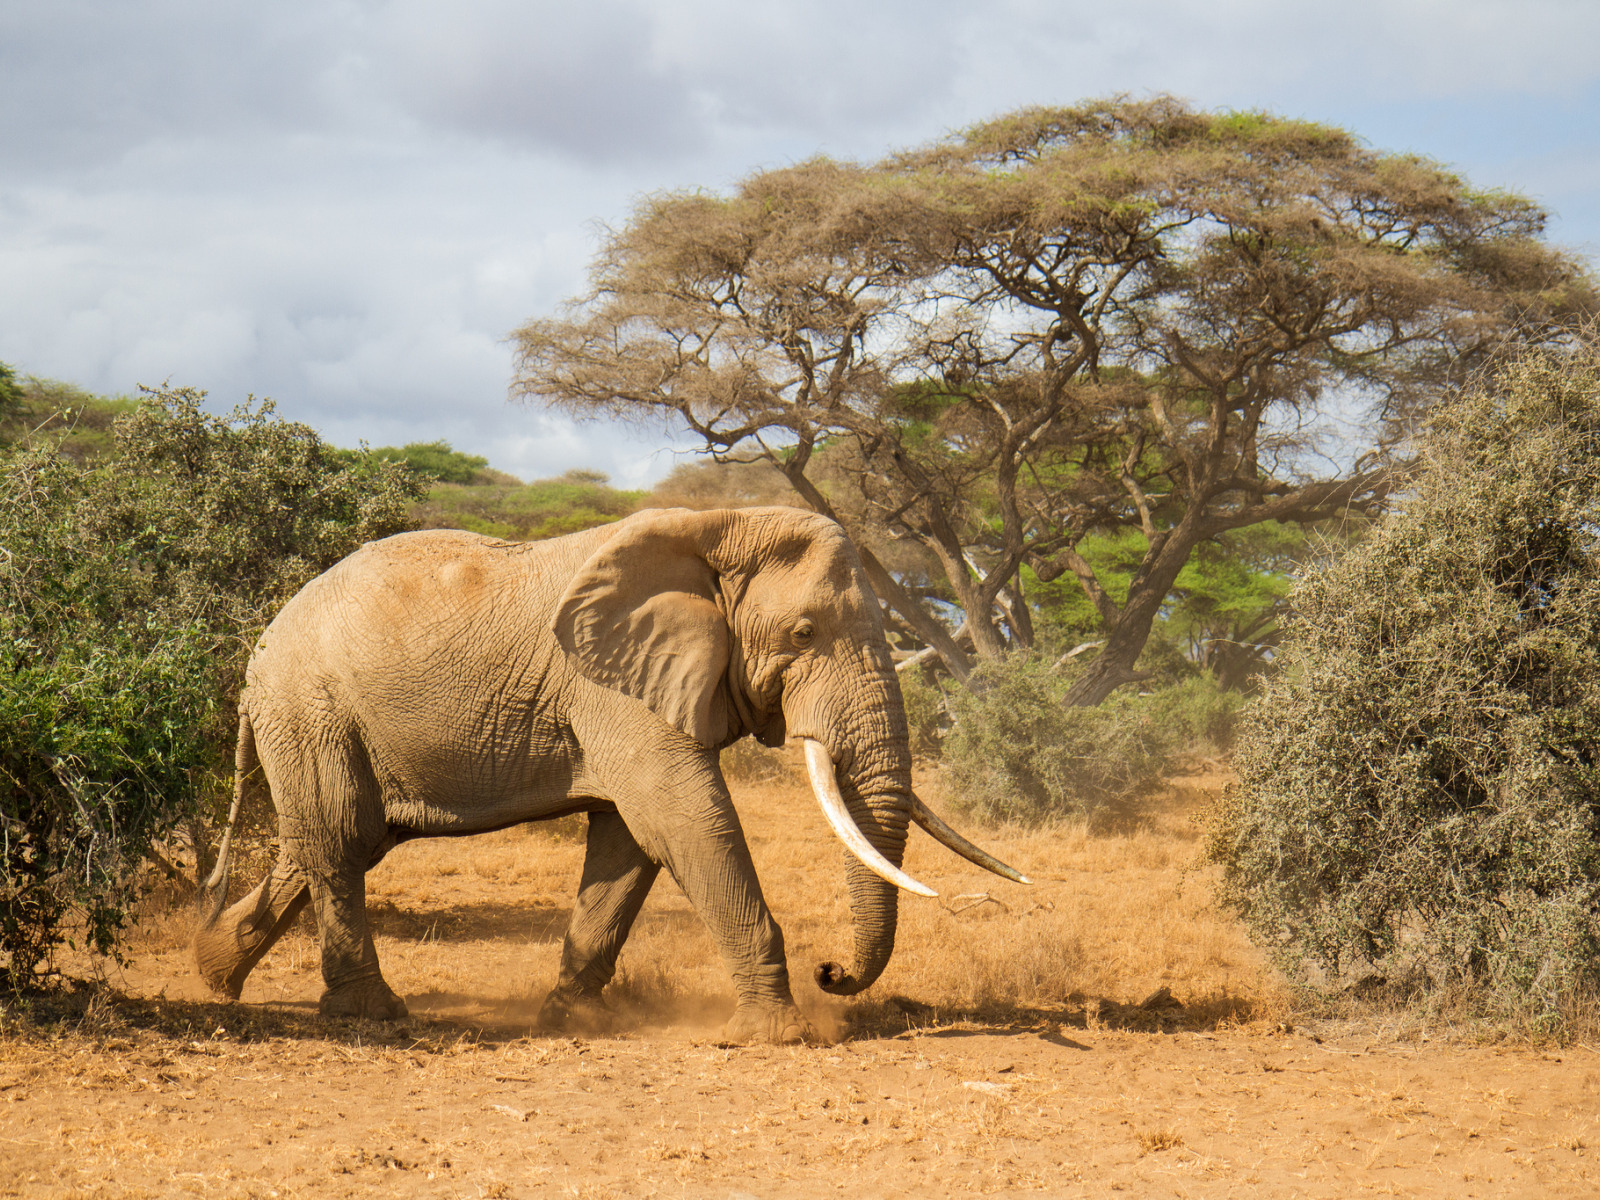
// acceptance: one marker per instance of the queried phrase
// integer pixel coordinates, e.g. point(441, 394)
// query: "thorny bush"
point(130, 593)
point(1017, 751)
point(1419, 792)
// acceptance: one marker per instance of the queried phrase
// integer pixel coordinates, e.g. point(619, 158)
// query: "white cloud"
point(349, 204)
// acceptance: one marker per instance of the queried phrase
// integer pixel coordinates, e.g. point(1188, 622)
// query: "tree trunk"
point(928, 627)
point(1127, 635)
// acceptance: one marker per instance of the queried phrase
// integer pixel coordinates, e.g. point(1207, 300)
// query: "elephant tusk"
point(940, 832)
point(819, 765)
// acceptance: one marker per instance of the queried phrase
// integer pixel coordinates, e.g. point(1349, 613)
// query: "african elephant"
point(443, 683)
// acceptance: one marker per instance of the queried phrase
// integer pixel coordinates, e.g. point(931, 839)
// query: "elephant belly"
point(441, 786)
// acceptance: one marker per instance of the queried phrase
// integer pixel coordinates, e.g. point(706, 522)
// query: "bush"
point(1418, 792)
point(1017, 751)
point(546, 508)
point(49, 414)
point(926, 710)
point(434, 460)
point(11, 395)
point(130, 593)
point(104, 716)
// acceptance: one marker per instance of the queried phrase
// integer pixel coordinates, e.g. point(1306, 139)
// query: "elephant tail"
point(214, 892)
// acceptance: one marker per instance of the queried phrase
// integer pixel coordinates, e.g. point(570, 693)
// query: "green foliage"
point(130, 592)
point(1419, 791)
point(436, 460)
point(10, 394)
point(1227, 605)
point(103, 715)
point(1017, 751)
point(61, 416)
point(1061, 604)
point(546, 508)
point(227, 517)
point(1224, 608)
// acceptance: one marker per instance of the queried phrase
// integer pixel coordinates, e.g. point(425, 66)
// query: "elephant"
point(441, 683)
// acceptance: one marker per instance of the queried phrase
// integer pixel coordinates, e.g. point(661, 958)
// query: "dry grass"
point(1111, 915)
point(1005, 1051)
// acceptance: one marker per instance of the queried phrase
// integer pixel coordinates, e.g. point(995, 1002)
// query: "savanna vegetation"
point(143, 545)
point(1418, 806)
point(1129, 320)
point(1071, 380)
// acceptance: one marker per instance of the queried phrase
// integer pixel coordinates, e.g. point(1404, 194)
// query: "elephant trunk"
point(875, 911)
point(874, 788)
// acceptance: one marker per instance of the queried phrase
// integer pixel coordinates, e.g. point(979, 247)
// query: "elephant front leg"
point(672, 798)
point(707, 855)
point(617, 876)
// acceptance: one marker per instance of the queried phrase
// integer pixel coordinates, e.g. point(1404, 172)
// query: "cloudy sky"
point(347, 205)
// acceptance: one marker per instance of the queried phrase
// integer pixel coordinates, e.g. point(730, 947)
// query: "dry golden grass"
point(1005, 1051)
point(1110, 915)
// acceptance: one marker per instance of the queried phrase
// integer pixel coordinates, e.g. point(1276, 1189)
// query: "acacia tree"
point(1122, 315)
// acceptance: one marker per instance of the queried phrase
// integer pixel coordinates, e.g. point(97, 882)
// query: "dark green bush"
point(105, 713)
point(10, 393)
point(1419, 791)
point(130, 592)
point(1016, 751)
point(435, 460)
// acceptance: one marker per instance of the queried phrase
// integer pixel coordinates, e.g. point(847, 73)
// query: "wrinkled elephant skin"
point(442, 683)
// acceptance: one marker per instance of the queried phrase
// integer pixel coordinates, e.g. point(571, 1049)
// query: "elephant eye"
point(804, 633)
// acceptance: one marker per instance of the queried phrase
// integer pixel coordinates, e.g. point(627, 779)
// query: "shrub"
point(435, 460)
point(926, 714)
point(11, 395)
point(545, 508)
point(1017, 751)
point(1418, 791)
point(130, 593)
point(104, 713)
point(50, 414)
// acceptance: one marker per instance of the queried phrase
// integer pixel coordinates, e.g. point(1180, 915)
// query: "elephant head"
point(762, 622)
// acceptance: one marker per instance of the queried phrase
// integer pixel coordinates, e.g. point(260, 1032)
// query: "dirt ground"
point(1005, 1052)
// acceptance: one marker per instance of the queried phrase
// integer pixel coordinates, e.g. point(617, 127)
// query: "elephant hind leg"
point(354, 985)
point(617, 877)
point(226, 950)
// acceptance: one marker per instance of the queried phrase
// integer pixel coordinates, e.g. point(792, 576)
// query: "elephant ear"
point(641, 617)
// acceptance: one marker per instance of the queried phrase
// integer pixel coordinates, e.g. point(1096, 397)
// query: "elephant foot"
point(769, 1025)
point(581, 1012)
point(220, 974)
point(371, 998)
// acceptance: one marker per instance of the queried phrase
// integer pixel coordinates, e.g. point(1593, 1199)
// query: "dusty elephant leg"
point(227, 950)
point(705, 850)
point(617, 876)
point(670, 793)
point(354, 986)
